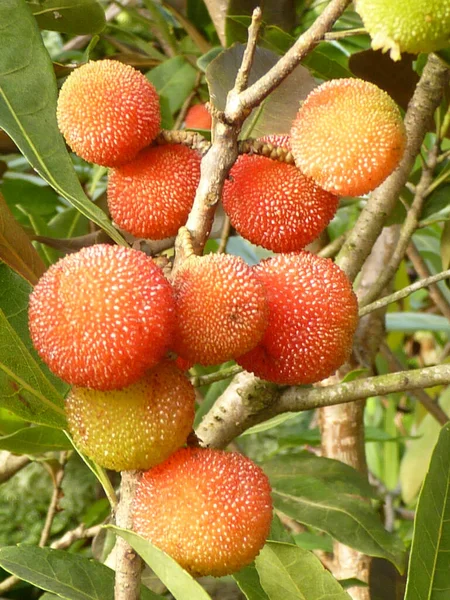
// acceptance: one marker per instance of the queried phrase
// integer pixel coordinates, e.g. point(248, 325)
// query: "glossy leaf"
point(276, 113)
point(328, 500)
point(429, 564)
point(181, 585)
point(35, 440)
point(28, 108)
point(69, 576)
point(69, 16)
point(288, 572)
point(16, 250)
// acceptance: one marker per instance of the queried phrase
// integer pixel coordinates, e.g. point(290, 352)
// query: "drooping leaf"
point(276, 113)
point(35, 440)
point(69, 16)
point(16, 250)
point(69, 576)
point(329, 502)
point(28, 108)
point(180, 584)
point(429, 564)
point(288, 572)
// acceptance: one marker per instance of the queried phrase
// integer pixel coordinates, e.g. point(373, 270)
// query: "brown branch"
point(79, 533)
point(247, 60)
point(10, 464)
point(56, 496)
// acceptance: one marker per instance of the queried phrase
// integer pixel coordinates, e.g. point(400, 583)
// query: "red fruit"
point(221, 309)
point(208, 509)
point(313, 314)
point(101, 317)
point(136, 427)
point(272, 204)
point(108, 111)
point(151, 197)
point(348, 136)
point(198, 117)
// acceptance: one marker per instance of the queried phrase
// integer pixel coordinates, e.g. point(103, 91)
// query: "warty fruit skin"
point(348, 136)
point(221, 309)
point(101, 317)
point(272, 204)
point(313, 314)
point(406, 25)
point(136, 427)
point(210, 510)
point(107, 112)
point(198, 117)
point(151, 196)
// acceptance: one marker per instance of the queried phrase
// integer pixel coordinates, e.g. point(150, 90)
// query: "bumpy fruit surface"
point(405, 25)
point(313, 315)
point(221, 309)
point(274, 205)
point(198, 117)
point(101, 317)
point(107, 112)
point(208, 509)
point(151, 196)
point(136, 427)
point(348, 136)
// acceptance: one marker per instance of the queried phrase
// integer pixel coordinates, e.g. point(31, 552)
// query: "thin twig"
point(249, 52)
point(187, 103)
point(79, 533)
point(200, 380)
point(56, 496)
point(226, 229)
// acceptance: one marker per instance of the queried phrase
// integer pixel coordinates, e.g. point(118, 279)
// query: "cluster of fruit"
point(106, 319)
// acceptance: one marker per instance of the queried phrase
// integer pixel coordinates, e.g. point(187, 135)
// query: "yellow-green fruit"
point(136, 427)
point(406, 25)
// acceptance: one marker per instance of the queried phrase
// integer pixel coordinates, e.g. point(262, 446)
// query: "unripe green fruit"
point(136, 427)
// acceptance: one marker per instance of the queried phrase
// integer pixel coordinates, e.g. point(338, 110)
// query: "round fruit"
point(136, 427)
point(272, 204)
point(221, 309)
point(107, 112)
point(348, 136)
point(198, 117)
point(208, 509)
point(101, 317)
point(151, 197)
point(313, 314)
point(406, 26)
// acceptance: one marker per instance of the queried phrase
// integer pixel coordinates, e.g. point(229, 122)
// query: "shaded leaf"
point(16, 249)
point(276, 113)
point(35, 440)
point(180, 584)
point(327, 62)
point(274, 12)
point(28, 108)
point(409, 322)
point(69, 16)
point(69, 576)
point(174, 80)
point(249, 583)
point(288, 572)
point(429, 564)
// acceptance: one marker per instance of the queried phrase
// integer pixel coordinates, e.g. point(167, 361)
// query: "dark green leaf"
point(69, 576)
point(180, 584)
point(69, 16)
point(327, 62)
point(35, 440)
point(274, 12)
point(28, 108)
point(288, 572)
point(174, 80)
point(248, 582)
point(429, 564)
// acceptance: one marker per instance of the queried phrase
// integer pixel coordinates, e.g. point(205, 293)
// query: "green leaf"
point(35, 440)
point(174, 80)
point(409, 322)
point(270, 423)
point(327, 498)
point(28, 108)
point(327, 62)
point(249, 583)
point(276, 113)
point(429, 564)
point(69, 16)
point(179, 583)
point(69, 576)
point(445, 246)
point(288, 572)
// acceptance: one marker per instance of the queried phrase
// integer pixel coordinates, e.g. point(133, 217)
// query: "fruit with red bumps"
point(107, 112)
point(313, 314)
point(221, 309)
point(151, 197)
point(348, 136)
point(198, 117)
point(273, 204)
point(208, 509)
point(136, 427)
point(102, 316)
